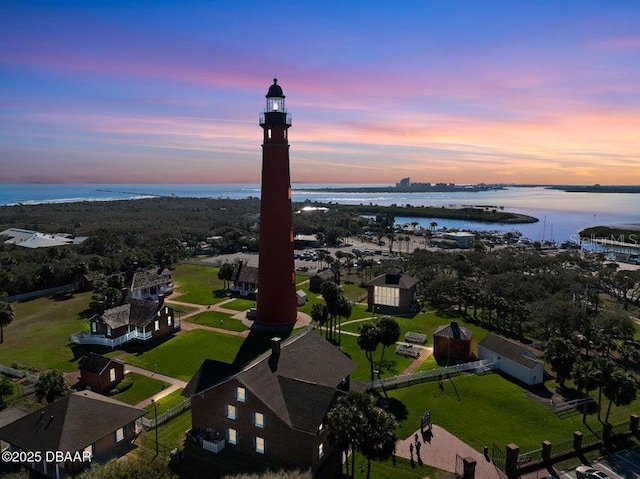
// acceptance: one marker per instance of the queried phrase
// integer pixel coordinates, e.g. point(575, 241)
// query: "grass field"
point(217, 319)
point(181, 356)
point(240, 304)
point(38, 337)
point(394, 363)
point(167, 402)
point(142, 388)
point(200, 284)
point(483, 410)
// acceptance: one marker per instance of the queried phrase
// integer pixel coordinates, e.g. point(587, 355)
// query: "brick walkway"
point(439, 450)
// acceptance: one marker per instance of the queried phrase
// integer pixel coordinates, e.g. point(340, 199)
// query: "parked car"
point(588, 472)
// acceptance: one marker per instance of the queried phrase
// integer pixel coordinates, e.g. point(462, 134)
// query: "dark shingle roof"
point(148, 279)
point(394, 277)
point(326, 274)
point(137, 312)
point(300, 381)
point(305, 404)
point(143, 311)
point(95, 363)
point(509, 349)
point(117, 316)
point(70, 424)
point(453, 331)
point(211, 372)
point(245, 274)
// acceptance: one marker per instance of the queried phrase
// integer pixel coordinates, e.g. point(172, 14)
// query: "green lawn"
point(403, 469)
point(239, 304)
point(487, 409)
point(217, 319)
point(425, 323)
point(143, 388)
point(181, 356)
point(394, 363)
point(200, 284)
point(38, 337)
point(164, 403)
point(170, 434)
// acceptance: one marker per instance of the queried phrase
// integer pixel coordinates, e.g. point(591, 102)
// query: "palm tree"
point(388, 334)
point(51, 386)
point(345, 423)
point(7, 314)
point(368, 342)
point(620, 389)
point(584, 375)
point(561, 354)
point(433, 225)
point(379, 440)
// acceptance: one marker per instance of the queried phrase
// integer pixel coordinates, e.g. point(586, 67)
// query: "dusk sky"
point(456, 91)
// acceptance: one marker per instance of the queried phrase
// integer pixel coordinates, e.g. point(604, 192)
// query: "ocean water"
point(561, 214)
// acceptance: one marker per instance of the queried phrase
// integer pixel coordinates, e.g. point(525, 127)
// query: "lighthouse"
point(276, 306)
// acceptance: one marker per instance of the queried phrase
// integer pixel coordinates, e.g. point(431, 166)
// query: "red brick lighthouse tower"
point(276, 277)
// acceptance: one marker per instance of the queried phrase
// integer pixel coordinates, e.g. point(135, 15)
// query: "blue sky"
point(461, 91)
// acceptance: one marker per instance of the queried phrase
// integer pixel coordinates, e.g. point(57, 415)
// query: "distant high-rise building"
point(404, 183)
point(276, 305)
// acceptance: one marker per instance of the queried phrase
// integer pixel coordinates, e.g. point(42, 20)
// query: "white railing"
point(432, 375)
point(88, 338)
point(165, 416)
point(213, 446)
point(565, 406)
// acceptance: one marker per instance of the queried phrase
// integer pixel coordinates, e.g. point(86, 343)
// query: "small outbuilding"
point(512, 358)
point(317, 280)
point(301, 297)
point(452, 343)
point(99, 373)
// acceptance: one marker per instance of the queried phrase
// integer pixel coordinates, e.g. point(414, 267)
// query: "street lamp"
point(155, 413)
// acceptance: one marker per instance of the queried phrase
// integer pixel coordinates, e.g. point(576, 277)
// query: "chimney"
point(275, 346)
point(161, 299)
point(275, 354)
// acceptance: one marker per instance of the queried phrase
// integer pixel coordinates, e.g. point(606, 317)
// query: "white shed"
point(301, 297)
point(512, 358)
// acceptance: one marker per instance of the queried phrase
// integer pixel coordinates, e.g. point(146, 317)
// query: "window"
point(269, 133)
point(94, 327)
point(120, 434)
point(112, 374)
point(386, 296)
point(108, 330)
point(156, 324)
point(320, 427)
point(166, 310)
point(258, 419)
point(168, 320)
point(232, 436)
point(241, 394)
point(231, 411)
point(260, 445)
point(321, 450)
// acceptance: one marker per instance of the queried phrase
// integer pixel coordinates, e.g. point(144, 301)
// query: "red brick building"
point(100, 373)
point(272, 411)
point(84, 424)
point(452, 343)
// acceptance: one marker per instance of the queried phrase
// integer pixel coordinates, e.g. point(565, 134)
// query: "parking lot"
point(622, 465)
